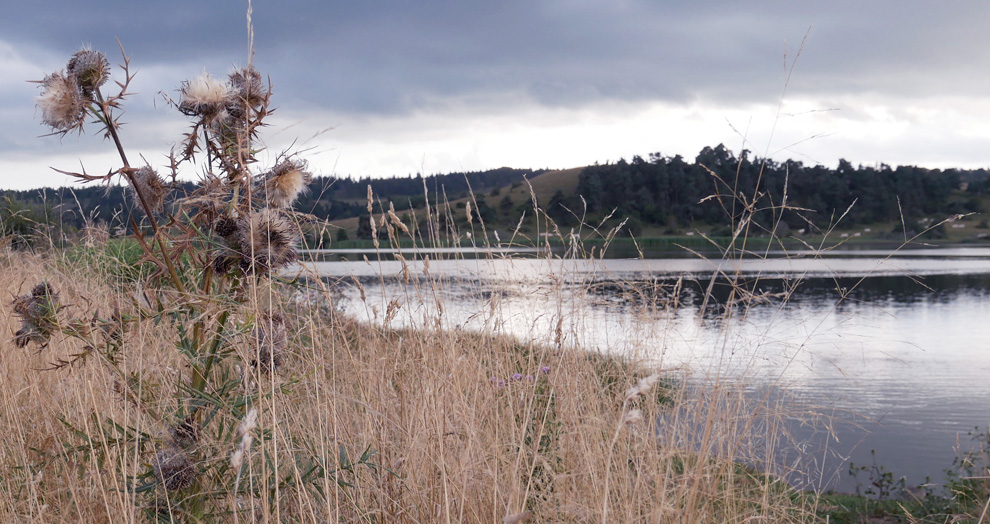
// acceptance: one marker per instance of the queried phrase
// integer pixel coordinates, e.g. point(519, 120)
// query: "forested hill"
point(672, 191)
point(336, 198)
point(663, 193)
point(328, 198)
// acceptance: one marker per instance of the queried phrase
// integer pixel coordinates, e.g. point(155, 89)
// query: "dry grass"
point(450, 445)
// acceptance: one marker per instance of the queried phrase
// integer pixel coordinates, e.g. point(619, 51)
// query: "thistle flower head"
point(269, 341)
point(173, 469)
point(222, 263)
point(44, 290)
point(224, 258)
point(204, 96)
point(62, 102)
point(38, 311)
point(247, 87)
point(90, 69)
point(266, 240)
point(149, 185)
point(285, 182)
point(225, 226)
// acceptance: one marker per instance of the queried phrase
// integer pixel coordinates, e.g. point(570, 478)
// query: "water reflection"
point(884, 354)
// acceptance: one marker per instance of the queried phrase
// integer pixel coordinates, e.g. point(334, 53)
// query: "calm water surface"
point(892, 351)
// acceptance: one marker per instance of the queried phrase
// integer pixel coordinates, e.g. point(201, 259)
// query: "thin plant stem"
point(112, 130)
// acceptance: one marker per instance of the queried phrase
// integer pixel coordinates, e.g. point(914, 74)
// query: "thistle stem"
point(112, 131)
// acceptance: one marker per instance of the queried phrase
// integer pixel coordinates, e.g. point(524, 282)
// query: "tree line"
point(70, 209)
point(717, 189)
point(720, 189)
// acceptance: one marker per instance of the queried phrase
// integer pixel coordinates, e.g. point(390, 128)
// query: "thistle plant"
point(38, 311)
point(212, 250)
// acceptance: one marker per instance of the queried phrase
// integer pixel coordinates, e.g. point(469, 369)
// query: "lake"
point(877, 351)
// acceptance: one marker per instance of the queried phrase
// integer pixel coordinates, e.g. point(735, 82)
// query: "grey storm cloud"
point(394, 56)
point(362, 63)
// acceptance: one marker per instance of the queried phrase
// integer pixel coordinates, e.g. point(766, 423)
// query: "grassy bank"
point(366, 423)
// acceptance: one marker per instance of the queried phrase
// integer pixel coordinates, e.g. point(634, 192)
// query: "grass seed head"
point(517, 518)
point(633, 416)
point(90, 69)
point(644, 385)
point(396, 221)
point(62, 103)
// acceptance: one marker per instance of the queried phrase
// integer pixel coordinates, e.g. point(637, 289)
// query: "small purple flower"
point(545, 370)
point(517, 376)
point(493, 380)
point(529, 378)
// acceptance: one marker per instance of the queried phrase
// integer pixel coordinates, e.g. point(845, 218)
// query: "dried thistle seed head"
point(42, 301)
point(38, 311)
point(285, 182)
point(44, 290)
point(173, 469)
point(269, 340)
point(247, 87)
point(204, 96)
point(225, 226)
point(267, 241)
point(148, 184)
point(90, 69)
point(62, 103)
point(222, 263)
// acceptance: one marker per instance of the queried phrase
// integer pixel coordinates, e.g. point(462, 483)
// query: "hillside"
point(658, 196)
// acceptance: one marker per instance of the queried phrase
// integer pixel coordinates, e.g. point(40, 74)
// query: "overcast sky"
point(397, 87)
